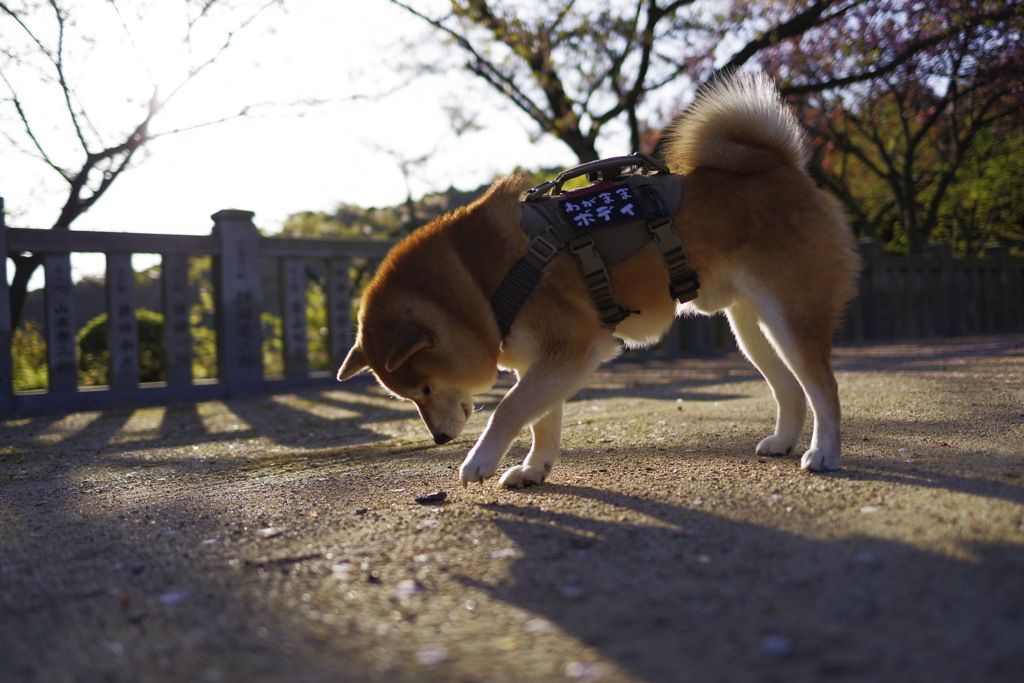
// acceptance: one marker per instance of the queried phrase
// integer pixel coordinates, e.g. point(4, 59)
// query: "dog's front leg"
point(536, 397)
point(547, 441)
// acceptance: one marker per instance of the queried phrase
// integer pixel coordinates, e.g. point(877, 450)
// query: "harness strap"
point(513, 291)
point(522, 277)
point(683, 283)
point(609, 312)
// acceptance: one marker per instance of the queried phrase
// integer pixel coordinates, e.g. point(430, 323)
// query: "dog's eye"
point(426, 391)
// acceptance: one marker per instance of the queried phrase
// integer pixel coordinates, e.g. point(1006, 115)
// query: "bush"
point(94, 357)
point(28, 352)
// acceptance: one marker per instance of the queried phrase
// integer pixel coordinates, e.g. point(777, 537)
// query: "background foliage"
point(914, 112)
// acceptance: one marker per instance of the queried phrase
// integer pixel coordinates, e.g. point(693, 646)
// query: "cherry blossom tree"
point(951, 71)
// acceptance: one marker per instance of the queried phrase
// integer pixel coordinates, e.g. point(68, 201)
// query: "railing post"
point(6, 331)
point(177, 328)
point(239, 298)
point(701, 335)
point(1015, 285)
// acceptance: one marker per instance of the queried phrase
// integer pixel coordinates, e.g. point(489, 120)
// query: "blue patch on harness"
point(608, 203)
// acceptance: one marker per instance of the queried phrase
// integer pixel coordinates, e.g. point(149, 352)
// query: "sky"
point(280, 159)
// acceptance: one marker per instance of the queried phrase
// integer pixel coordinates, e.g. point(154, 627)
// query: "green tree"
point(985, 202)
point(347, 221)
point(911, 85)
point(897, 152)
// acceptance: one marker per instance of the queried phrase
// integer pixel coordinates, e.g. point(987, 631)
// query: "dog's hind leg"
point(791, 411)
point(802, 338)
point(547, 440)
point(812, 364)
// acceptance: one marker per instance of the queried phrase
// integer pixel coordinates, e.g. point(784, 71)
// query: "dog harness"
point(628, 204)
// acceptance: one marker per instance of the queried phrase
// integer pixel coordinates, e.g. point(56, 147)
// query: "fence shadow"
point(310, 423)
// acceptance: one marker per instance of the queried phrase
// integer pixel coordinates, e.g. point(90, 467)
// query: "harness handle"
point(636, 162)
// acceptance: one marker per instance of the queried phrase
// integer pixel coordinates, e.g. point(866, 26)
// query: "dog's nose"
point(442, 439)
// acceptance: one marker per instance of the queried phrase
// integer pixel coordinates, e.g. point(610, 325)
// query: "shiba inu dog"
point(770, 250)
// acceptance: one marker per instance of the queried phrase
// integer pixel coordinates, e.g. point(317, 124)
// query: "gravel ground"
point(280, 539)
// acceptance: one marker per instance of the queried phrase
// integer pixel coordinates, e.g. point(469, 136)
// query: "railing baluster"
point(122, 326)
point(339, 306)
point(296, 338)
point(61, 346)
point(177, 327)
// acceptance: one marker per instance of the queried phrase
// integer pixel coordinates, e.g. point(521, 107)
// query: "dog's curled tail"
point(739, 124)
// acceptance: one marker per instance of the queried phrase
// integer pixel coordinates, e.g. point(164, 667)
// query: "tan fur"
point(770, 249)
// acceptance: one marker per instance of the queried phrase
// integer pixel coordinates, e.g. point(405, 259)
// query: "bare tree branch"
point(815, 15)
point(483, 68)
point(30, 130)
point(61, 75)
point(98, 169)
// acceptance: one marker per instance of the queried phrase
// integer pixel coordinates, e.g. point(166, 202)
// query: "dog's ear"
point(408, 340)
point(355, 362)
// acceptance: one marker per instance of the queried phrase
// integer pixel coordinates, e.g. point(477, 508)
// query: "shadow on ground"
point(279, 539)
point(701, 598)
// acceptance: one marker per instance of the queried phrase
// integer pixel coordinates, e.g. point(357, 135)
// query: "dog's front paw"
point(820, 460)
point(476, 469)
point(774, 445)
point(522, 476)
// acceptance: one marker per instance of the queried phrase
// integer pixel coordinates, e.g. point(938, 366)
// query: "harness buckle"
point(664, 236)
point(586, 253)
point(542, 248)
point(685, 287)
point(683, 282)
point(596, 275)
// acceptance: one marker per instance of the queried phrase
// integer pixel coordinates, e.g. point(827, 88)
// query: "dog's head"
point(426, 329)
point(427, 367)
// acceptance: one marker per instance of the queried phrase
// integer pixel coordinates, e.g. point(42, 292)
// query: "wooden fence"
point(914, 297)
point(899, 298)
point(904, 297)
